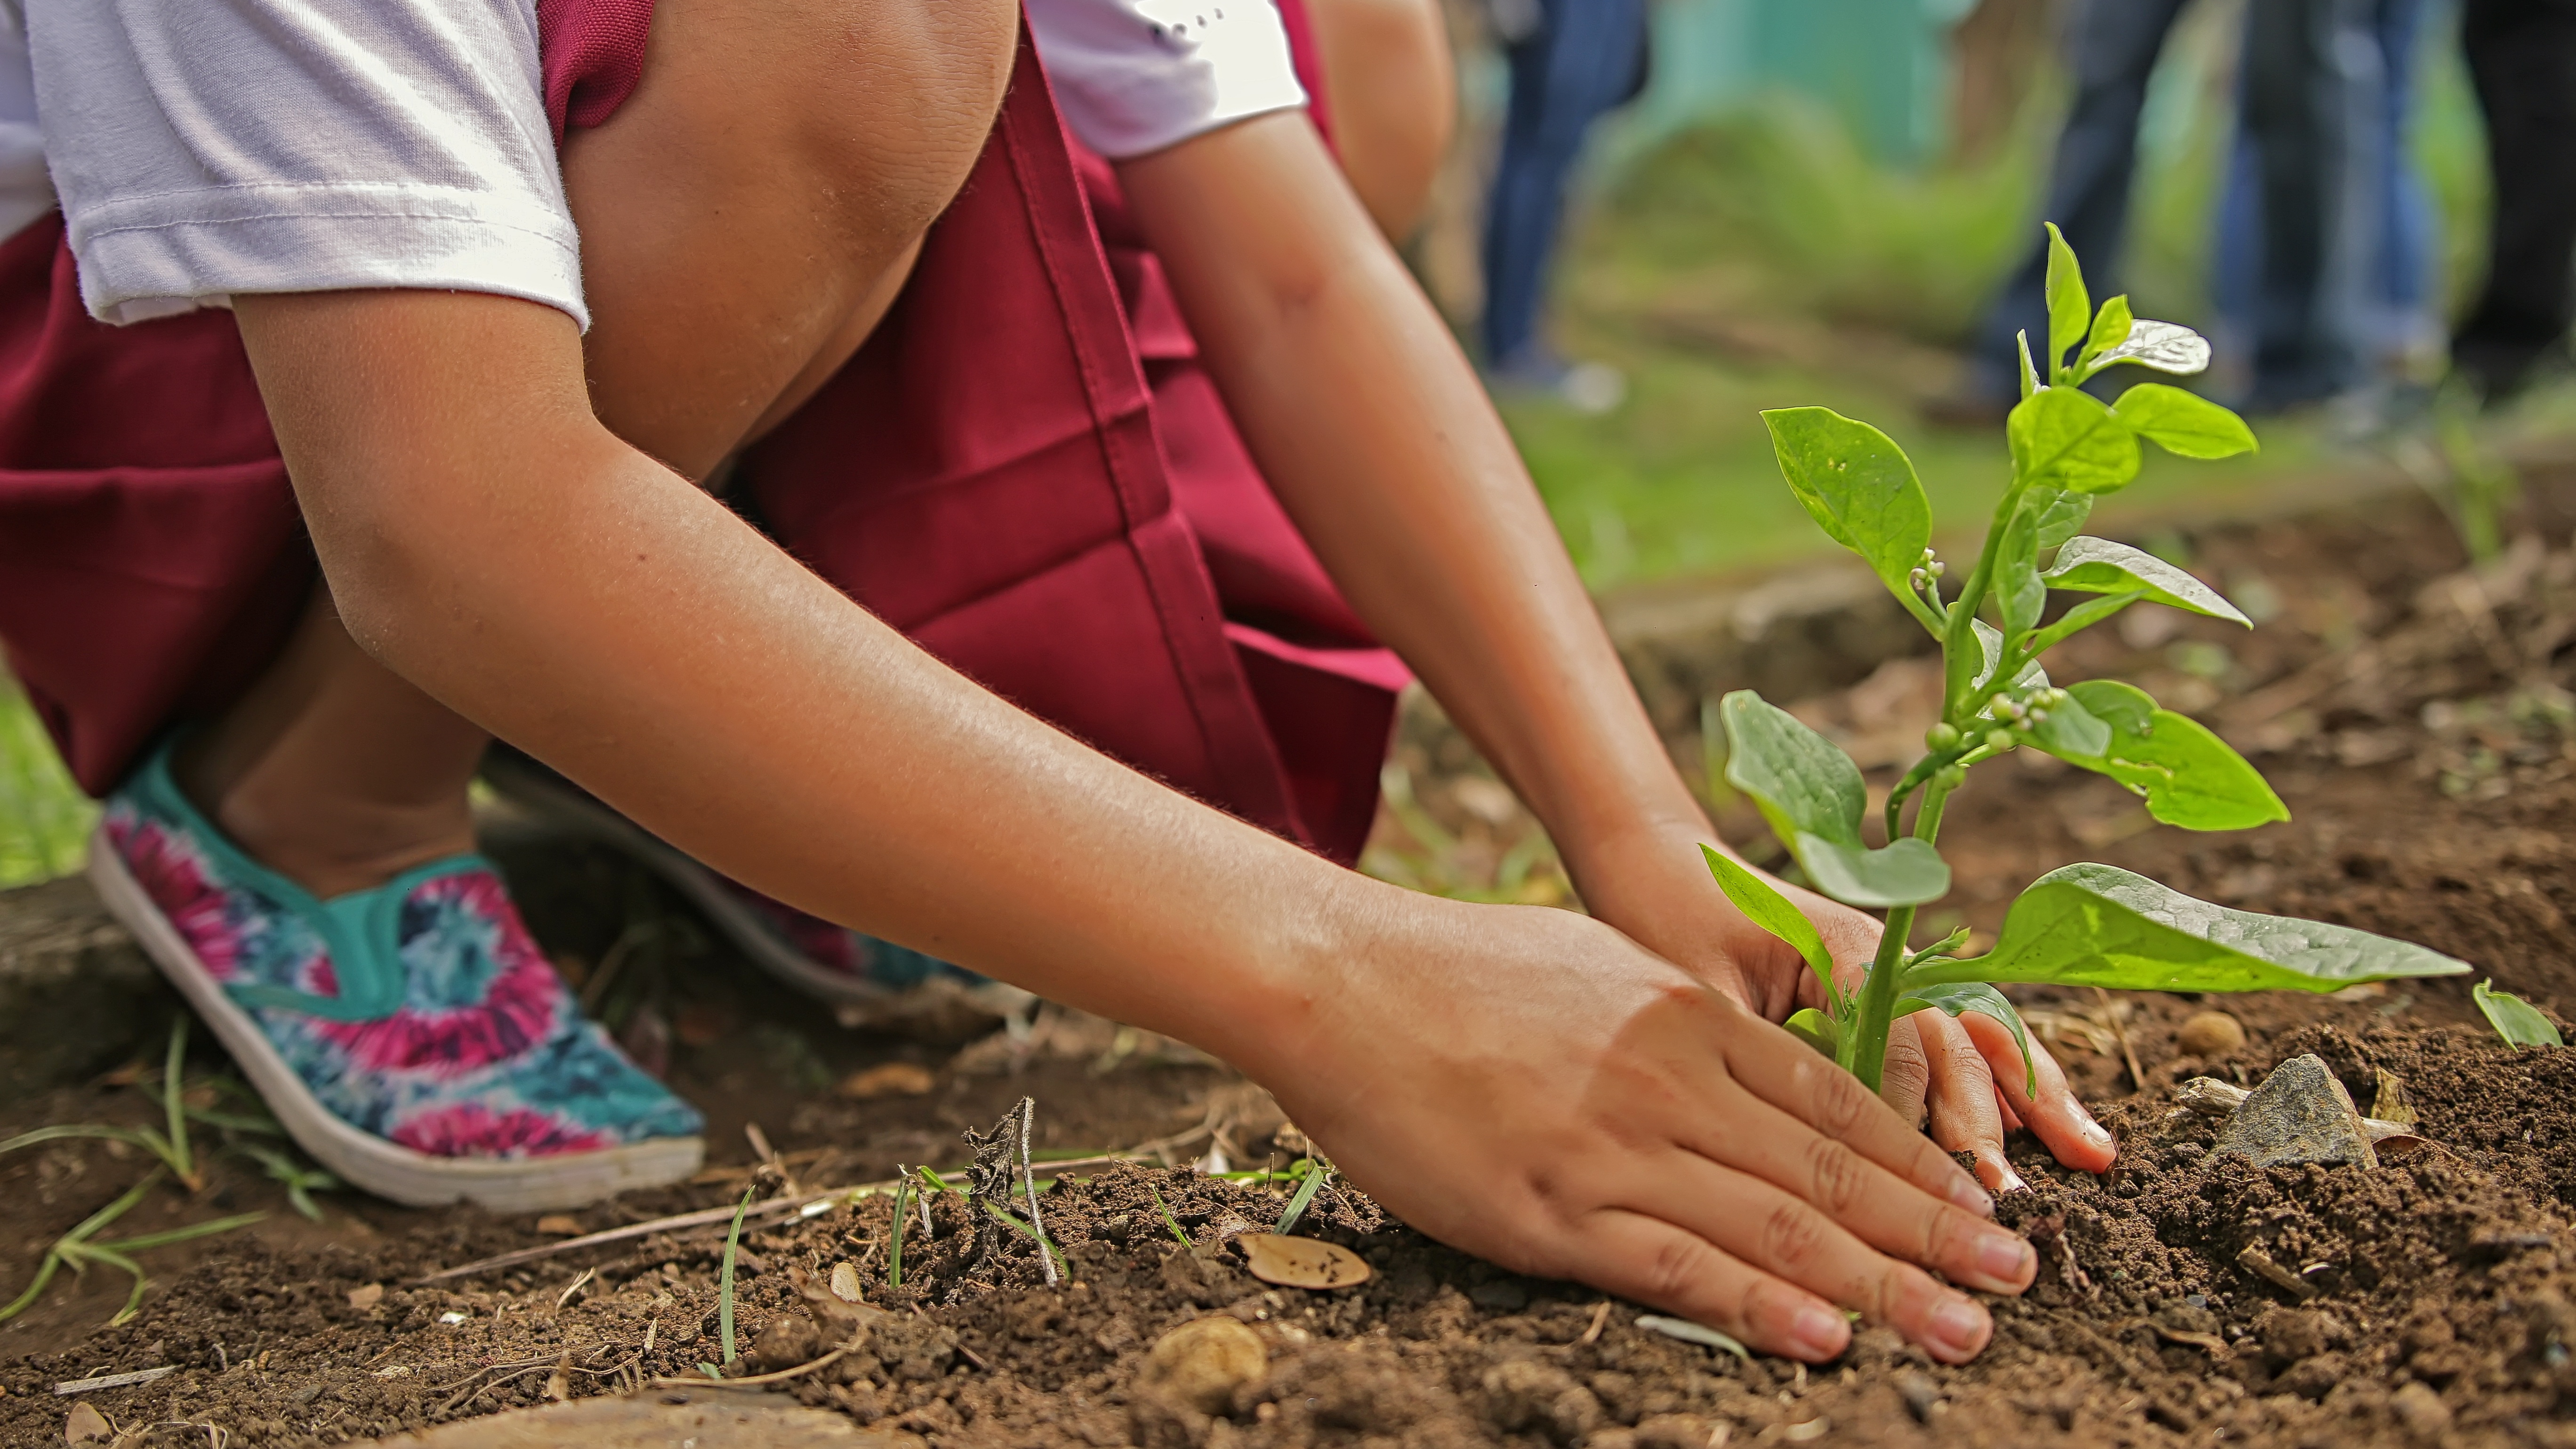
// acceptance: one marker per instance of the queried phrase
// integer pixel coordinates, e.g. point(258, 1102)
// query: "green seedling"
point(171, 1147)
point(1313, 1173)
point(724, 1279)
point(894, 1244)
point(300, 1179)
point(2080, 925)
point(1054, 1254)
point(78, 1250)
point(2516, 1020)
point(1179, 1235)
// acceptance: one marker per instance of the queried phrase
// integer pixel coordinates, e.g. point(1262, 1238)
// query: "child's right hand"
point(1533, 1087)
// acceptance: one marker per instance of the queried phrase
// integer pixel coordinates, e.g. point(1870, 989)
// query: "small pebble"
point(2210, 1034)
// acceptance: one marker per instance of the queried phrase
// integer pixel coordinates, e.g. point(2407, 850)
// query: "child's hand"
point(1530, 1086)
point(1968, 1077)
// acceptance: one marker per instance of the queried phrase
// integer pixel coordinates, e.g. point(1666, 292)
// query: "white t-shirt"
point(200, 148)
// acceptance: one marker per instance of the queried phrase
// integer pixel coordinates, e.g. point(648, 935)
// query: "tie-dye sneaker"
point(412, 1038)
point(871, 982)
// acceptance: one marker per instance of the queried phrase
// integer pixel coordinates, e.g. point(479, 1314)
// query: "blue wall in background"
point(1880, 65)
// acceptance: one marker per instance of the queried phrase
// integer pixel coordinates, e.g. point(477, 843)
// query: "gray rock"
point(2299, 1114)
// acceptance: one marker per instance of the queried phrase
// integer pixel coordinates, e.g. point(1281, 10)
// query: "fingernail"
point(1960, 1326)
point(2093, 1133)
point(2013, 1180)
point(1819, 1331)
point(2002, 1257)
point(1967, 1193)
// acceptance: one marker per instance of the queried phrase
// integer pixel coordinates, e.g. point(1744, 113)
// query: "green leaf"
point(2070, 307)
point(2078, 619)
point(2094, 925)
point(2065, 438)
point(2061, 516)
point(2030, 382)
point(2164, 346)
point(2019, 595)
point(1815, 1029)
point(1858, 486)
point(2188, 776)
point(2099, 566)
point(2516, 1020)
point(2182, 422)
point(1990, 642)
point(1772, 911)
point(2110, 329)
point(2070, 729)
point(1812, 795)
point(1958, 996)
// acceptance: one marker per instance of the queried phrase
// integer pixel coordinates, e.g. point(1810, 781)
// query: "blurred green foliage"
point(44, 819)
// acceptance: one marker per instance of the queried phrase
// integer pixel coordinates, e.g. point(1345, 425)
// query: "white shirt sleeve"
point(1134, 76)
point(203, 148)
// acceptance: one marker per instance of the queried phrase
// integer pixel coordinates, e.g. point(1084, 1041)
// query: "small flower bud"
point(1916, 578)
point(1950, 777)
point(2038, 717)
point(1942, 738)
point(1936, 568)
point(1998, 741)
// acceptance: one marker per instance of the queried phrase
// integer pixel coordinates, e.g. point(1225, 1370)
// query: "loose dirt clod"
point(2211, 1034)
point(1200, 1364)
point(1301, 1262)
point(2299, 1114)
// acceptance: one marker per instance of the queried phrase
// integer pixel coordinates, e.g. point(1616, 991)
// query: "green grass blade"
point(1169, 1221)
point(127, 1266)
point(168, 1236)
point(1306, 1191)
point(113, 1211)
point(724, 1280)
point(894, 1246)
point(44, 1275)
point(126, 1135)
point(173, 1089)
point(1024, 1230)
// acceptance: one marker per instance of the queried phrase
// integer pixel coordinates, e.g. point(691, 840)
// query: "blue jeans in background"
point(2111, 49)
point(1586, 59)
point(2324, 268)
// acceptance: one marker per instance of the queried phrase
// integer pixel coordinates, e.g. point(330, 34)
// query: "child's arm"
point(1378, 439)
point(1525, 1083)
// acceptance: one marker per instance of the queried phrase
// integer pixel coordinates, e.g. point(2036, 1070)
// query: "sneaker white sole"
point(860, 1002)
point(415, 1179)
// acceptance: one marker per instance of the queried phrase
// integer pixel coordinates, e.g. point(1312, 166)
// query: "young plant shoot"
point(2080, 925)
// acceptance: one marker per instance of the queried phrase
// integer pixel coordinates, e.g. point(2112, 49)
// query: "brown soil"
point(2415, 718)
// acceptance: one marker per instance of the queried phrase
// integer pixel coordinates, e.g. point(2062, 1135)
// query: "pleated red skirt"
point(1025, 469)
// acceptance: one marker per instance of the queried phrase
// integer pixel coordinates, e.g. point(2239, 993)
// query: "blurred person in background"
point(2522, 59)
point(1391, 92)
point(2327, 234)
point(2111, 50)
point(1572, 62)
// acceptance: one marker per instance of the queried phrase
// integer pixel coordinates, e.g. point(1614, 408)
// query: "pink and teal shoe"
point(872, 982)
point(412, 1038)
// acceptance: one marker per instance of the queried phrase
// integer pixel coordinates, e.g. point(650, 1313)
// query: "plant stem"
point(1875, 1008)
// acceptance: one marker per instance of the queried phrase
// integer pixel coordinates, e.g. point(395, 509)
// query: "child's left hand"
point(1965, 1074)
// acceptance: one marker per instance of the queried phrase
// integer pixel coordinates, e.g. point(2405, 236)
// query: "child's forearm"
point(1375, 434)
point(1527, 1084)
point(492, 544)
